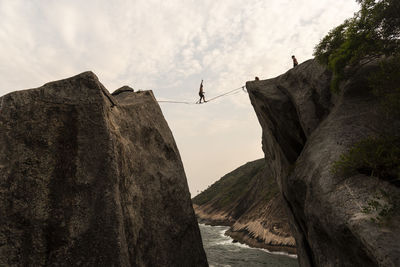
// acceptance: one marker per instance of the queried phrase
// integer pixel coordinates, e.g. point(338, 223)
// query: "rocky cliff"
point(91, 179)
point(247, 199)
point(305, 130)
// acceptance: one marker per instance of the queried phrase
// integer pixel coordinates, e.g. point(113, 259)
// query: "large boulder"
point(88, 179)
point(305, 130)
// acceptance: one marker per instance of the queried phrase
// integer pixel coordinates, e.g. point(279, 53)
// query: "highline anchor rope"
point(232, 92)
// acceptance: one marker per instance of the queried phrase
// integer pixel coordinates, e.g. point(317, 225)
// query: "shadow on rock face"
point(326, 211)
point(83, 182)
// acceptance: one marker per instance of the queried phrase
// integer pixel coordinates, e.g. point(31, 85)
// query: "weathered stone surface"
point(88, 179)
point(305, 130)
point(265, 225)
point(123, 89)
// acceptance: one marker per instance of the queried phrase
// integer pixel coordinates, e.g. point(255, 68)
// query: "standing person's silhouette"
point(295, 63)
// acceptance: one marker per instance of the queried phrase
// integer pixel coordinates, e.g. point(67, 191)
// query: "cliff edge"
point(305, 130)
point(91, 179)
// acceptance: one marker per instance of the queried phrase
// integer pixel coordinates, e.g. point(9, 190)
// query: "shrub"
point(386, 85)
point(374, 31)
point(382, 206)
point(375, 156)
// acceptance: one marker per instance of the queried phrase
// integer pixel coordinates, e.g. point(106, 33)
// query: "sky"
point(169, 47)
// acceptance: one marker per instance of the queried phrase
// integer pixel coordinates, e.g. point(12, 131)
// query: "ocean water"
point(221, 252)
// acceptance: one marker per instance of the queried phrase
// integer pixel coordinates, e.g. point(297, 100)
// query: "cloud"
point(169, 46)
point(155, 43)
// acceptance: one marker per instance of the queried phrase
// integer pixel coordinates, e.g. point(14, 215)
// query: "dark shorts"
point(201, 94)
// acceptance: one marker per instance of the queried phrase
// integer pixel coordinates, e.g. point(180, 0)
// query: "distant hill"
point(248, 200)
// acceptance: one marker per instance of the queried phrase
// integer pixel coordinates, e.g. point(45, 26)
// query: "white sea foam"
point(227, 240)
point(222, 252)
point(267, 251)
point(222, 232)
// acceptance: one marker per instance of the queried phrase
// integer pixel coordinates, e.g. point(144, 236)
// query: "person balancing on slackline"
point(201, 93)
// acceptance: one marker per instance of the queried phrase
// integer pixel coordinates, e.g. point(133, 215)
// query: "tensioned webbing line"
point(227, 93)
point(176, 102)
point(232, 92)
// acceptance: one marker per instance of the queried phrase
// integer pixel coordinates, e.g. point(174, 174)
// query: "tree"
point(373, 32)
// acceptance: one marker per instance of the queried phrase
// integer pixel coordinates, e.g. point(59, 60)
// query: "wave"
point(229, 241)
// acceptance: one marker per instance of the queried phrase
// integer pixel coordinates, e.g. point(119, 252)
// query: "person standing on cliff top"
point(201, 93)
point(295, 63)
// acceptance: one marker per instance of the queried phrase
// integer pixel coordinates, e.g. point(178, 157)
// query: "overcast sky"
point(168, 47)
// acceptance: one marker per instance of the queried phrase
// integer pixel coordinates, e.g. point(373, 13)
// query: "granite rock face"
point(123, 89)
point(89, 179)
point(305, 130)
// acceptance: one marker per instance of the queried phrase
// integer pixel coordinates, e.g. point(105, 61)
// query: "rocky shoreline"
point(214, 218)
point(244, 237)
point(254, 233)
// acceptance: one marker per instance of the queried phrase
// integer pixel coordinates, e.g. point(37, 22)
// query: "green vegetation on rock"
point(236, 185)
point(375, 156)
point(386, 85)
point(248, 200)
point(382, 207)
point(373, 32)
